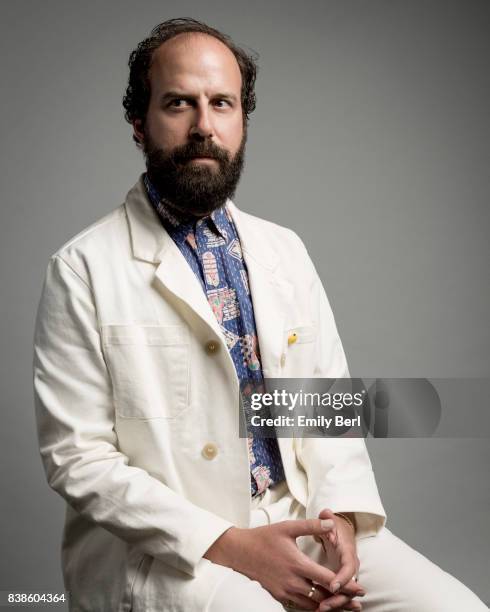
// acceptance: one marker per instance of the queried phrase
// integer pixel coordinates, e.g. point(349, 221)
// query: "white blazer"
point(138, 418)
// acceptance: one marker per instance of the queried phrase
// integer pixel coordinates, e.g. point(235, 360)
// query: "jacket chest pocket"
point(149, 369)
point(300, 350)
point(302, 334)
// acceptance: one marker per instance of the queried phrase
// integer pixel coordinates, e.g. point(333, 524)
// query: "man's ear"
point(138, 132)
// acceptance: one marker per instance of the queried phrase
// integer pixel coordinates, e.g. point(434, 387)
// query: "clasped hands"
point(271, 556)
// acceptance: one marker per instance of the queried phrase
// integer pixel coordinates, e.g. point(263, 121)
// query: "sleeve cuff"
point(198, 542)
point(370, 516)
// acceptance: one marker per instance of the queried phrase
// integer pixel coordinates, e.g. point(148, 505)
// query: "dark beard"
point(193, 188)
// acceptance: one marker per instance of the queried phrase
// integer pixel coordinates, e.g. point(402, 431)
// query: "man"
point(151, 323)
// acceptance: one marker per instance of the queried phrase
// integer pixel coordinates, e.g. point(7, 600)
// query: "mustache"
point(198, 149)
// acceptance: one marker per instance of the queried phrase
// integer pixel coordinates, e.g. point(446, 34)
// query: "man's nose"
point(202, 127)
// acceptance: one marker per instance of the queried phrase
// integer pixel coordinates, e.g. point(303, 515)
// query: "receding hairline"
point(184, 38)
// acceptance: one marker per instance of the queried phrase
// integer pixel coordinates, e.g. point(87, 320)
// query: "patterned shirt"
point(212, 248)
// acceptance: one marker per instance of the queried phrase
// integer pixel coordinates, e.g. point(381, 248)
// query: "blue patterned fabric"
point(212, 249)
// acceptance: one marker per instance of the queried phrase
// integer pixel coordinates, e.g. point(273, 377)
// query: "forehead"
point(194, 61)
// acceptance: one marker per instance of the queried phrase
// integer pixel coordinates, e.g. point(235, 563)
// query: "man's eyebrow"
point(171, 95)
point(174, 94)
point(226, 96)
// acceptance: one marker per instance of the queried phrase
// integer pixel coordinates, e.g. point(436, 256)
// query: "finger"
point(335, 602)
point(329, 543)
point(349, 560)
point(298, 602)
point(330, 538)
point(324, 577)
point(298, 528)
point(347, 570)
point(326, 513)
point(354, 605)
point(313, 592)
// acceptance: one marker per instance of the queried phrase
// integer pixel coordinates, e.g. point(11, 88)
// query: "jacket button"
point(212, 347)
point(209, 451)
point(283, 360)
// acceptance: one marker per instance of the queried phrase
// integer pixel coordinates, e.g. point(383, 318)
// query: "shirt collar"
point(179, 224)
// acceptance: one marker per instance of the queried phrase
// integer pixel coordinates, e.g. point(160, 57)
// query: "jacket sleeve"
point(78, 444)
point(339, 470)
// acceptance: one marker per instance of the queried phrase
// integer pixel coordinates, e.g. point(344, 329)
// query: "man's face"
point(194, 135)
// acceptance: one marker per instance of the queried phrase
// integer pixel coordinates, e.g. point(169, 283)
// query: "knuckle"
point(281, 594)
point(314, 524)
point(301, 563)
point(340, 600)
point(295, 586)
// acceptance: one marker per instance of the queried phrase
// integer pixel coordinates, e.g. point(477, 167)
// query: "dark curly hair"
point(137, 96)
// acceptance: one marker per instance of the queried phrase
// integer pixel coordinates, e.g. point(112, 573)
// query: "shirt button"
point(212, 347)
point(209, 451)
point(283, 360)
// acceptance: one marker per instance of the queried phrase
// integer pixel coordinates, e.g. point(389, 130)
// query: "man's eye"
point(178, 102)
point(222, 103)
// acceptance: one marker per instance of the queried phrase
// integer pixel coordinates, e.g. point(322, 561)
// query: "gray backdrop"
point(371, 139)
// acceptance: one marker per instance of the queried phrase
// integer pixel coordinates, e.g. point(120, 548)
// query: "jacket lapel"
point(271, 294)
point(271, 298)
point(151, 242)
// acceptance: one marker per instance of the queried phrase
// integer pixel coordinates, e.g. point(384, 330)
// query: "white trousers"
point(395, 576)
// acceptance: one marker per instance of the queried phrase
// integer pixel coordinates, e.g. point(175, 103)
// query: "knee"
point(448, 594)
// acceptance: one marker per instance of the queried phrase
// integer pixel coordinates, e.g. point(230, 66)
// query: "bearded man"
point(150, 324)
